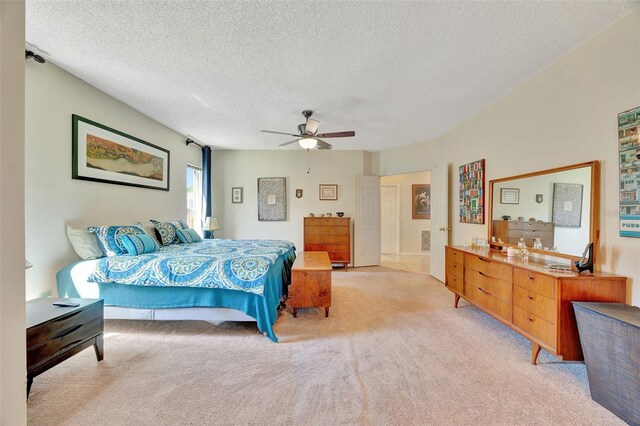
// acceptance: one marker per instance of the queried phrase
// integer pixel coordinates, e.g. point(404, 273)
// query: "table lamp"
point(211, 224)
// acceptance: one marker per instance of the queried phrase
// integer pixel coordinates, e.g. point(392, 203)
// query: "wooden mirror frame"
point(594, 208)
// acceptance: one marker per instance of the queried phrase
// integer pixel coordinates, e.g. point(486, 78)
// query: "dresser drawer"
point(535, 303)
point(537, 327)
point(322, 231)
point(488, 267)
point(63, 338)
point(455, 269)
point(337, 248)
point(488, 301)
point(455, 283)
point(544, 285)
point(455, 256)
point(326, 239)
point(498, 288)
point(37, 334)
point(327, 221)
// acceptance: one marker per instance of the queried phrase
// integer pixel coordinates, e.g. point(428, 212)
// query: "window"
point(194, 197)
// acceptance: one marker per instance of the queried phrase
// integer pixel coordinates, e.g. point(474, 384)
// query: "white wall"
point(568, 240)
point(566, 114)
point(53, 199)
point(410, 229)
point(243, 168)
point(13, 370)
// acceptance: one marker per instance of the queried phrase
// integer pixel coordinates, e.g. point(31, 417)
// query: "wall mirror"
point(553, 210)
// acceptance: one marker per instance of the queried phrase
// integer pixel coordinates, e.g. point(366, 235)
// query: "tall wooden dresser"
point(526, 296)
point(510, 232)
point(330, 234)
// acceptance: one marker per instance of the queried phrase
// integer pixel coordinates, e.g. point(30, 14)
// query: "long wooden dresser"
point(330, 234)
point(526, 296)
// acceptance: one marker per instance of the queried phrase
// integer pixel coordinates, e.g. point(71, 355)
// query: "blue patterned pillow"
point(166, 231)
point(110, 237)
point(188, 236)
point(139, 244)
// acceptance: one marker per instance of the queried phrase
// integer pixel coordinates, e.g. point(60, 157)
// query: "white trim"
point(422, 253)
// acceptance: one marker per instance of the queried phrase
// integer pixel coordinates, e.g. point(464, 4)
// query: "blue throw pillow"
point(110, 237)
point(188, 236)
point(139, 244)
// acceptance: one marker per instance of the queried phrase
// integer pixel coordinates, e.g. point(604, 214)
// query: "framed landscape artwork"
point(103, 154)
point(472, 192)
point(272, 199)
point(629, 167)
point(421, 199)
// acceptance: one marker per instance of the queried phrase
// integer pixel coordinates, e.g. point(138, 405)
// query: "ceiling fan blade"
point(278, 133)
point(337, 134)
point(323, 144)
point(312, 126)
point(288, 143)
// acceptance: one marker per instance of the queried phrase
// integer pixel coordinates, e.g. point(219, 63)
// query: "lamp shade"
point(308, 143)
point(211, 224)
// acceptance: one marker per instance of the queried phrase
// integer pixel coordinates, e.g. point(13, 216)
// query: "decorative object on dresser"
point(57, 333)
point(103, 154)
point(421, 199)
point(510, 232)
point(628, 129)
point(310, 282)
point(272, 199)
point(330, 234)
point(528, 297)
point(236, 195)
point(472, 192)
point(328, 192)
point(564, 242)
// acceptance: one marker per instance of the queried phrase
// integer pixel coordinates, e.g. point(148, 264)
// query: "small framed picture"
point(328, 192)
point(236, 195)
point(509, 196)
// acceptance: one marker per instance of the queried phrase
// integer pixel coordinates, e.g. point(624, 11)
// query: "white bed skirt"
point(212, 315)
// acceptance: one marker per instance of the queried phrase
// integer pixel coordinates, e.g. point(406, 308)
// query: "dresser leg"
point(29, 383)
point(98, 346)
point(294, 311)
point(326, 312)
point(456, 299)
point(535, 351)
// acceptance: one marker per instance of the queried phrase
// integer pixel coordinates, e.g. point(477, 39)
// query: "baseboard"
point(423, 253)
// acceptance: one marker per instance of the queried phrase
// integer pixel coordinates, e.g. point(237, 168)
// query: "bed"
point(248, 279)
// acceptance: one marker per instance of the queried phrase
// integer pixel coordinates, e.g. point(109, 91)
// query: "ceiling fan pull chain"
point(308, 161)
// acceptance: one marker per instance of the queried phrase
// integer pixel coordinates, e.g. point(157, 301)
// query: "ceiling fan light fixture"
point(308, 143)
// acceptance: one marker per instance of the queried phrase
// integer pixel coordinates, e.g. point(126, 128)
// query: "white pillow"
point(85, 243)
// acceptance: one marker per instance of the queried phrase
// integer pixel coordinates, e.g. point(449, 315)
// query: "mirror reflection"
point(549, 211)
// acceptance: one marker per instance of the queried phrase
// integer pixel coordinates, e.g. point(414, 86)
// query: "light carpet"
point(393, 351)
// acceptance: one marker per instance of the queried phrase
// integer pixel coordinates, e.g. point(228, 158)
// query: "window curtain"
point(206, 186)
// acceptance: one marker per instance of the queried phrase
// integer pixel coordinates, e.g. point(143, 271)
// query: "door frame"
point(397, 187)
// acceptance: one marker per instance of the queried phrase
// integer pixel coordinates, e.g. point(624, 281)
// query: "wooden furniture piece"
point(510, 232)
point(310, 282)
point(526, 296)
point(57, 333)
point(330, 234)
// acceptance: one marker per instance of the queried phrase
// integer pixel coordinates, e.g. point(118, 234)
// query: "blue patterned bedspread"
point(217, 263)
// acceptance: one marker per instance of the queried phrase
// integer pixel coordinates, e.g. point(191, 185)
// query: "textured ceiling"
point(395, 72)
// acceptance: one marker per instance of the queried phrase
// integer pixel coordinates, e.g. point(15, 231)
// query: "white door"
point(389, 219)
point(366, 227)
point(439, 219)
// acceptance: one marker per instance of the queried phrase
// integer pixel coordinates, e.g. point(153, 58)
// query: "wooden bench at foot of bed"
point(310, 282)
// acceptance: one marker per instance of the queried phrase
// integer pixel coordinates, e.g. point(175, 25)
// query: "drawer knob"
point(530, 297)
point(530, 319)
point(531, 278)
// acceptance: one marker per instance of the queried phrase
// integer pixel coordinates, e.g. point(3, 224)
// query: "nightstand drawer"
point(40, 333)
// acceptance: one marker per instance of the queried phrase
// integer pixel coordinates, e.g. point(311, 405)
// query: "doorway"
point(405, 225)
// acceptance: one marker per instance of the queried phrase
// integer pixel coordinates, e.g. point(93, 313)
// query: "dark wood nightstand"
point(57, 333)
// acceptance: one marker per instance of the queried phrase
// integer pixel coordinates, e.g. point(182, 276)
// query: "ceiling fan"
point(308, 136)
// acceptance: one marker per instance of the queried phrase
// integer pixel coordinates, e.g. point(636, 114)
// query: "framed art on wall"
point(421, 199)
point(328, 192)
point(509, 196)
point(272, 199)
point(103, 154)
point(472, 192)
point(567, 205)
point(236, 195)
point(629, 167)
